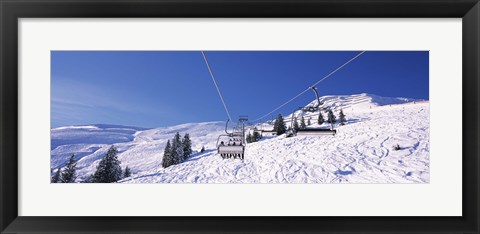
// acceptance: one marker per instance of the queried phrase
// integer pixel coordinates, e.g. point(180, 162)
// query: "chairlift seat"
point(231, 149)
point(316, 132)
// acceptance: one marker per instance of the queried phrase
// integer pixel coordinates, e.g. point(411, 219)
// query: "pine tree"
point(279, 125)
point(320, 118)
point(127, 172)
point(302, 123)
point(342, 118)
point(179, 154)
point(331, 119)
point(57, 177)
point(295, 125)
point(69, 173)
point(167, 156)
point(203, 149)
point(177, 149)
point(173, 152)
point(108, 170)
point(309, 122)
point(187, 146)
point(256, 136)
point(249, 138)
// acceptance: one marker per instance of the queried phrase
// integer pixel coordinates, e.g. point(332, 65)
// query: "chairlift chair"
point(310, 131)
point(232, 144)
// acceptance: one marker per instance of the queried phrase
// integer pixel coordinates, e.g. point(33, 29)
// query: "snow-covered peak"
point(358, 101)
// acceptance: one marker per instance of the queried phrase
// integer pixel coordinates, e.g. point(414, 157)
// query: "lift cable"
point(300, 94)
point(216, 85)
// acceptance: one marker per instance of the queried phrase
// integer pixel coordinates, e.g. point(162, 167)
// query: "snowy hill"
point(361, 152)
point(358, 101)
point(138, 148)
point(347, 103)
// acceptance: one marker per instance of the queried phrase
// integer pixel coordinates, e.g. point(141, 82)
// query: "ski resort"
point(362, 151)
point(356, 138)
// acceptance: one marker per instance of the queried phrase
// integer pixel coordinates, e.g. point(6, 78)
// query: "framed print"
point(276, 116)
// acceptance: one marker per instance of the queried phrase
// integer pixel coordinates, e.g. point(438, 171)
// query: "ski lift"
point(232, 144)
point(310, 131)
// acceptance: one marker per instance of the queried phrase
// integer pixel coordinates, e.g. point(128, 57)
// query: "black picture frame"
point(12, 10)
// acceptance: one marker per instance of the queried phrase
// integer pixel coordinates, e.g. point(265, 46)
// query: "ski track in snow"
point(360, 152)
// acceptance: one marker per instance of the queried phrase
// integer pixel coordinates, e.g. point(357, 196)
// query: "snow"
point(361, 151)
point(85, 140)
point(138, 148)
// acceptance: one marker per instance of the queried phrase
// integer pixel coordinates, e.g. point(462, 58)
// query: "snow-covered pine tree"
point(173, 152)
point(108, 170)
point(187, 146)
point(167, 156)
point(69, 173)
point(57, 177)
point(256, 136)
point(320, 118)
point(331, 119)
point(180, 157)
point(279, 125)
point(296, 127)
point(302, 123)
point(177, 149)
point(249, 138)
point(342, 118)
point(127, 172)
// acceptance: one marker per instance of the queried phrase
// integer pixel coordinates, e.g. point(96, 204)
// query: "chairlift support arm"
point(316, 95)
point(226, 127)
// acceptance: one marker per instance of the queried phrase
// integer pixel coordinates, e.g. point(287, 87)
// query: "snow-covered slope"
point(361, 152)
point(139, 149)
point(347, 103)
point(359, 101)
point(85, 140)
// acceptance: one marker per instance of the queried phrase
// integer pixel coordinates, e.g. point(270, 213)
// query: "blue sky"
point(162, 88)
